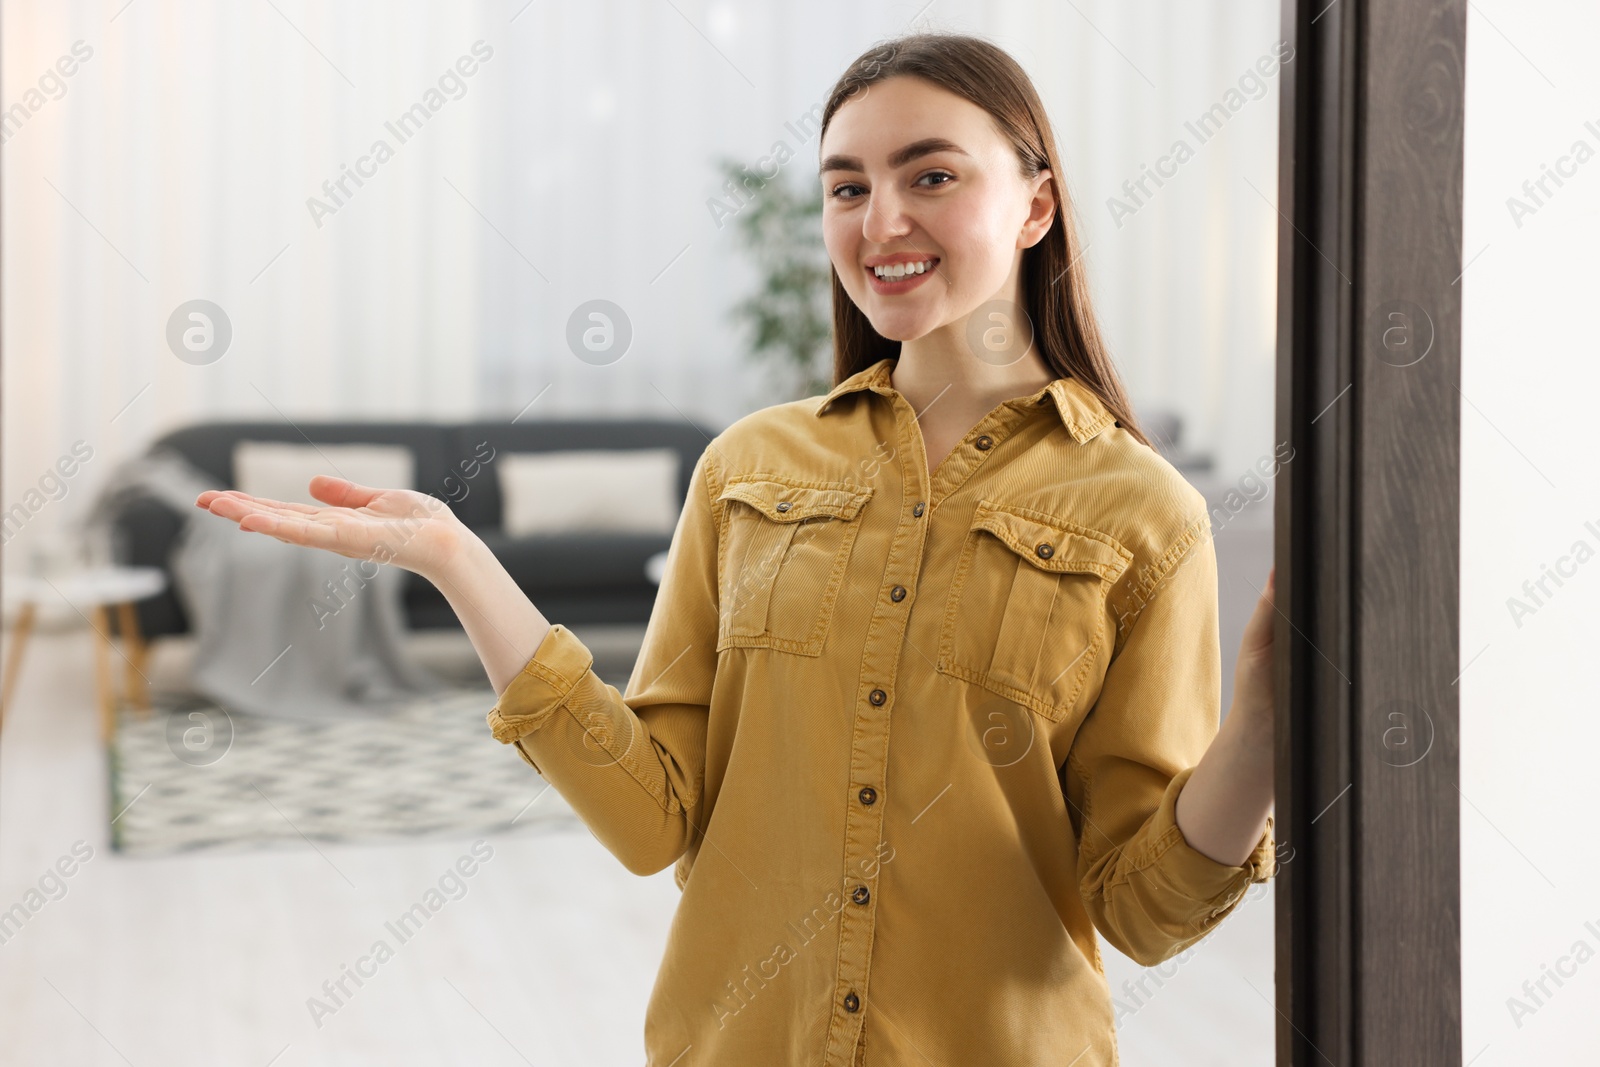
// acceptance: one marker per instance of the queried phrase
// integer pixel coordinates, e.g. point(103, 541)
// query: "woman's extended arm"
point(418, 533)
point(631, 764)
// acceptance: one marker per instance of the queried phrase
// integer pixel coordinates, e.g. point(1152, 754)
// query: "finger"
point(265, 501)
point(1259, 629)
point(342, 491)
point(237, 507)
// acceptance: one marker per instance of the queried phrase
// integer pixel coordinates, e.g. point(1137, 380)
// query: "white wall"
point(1530, 732)
point(178, 162)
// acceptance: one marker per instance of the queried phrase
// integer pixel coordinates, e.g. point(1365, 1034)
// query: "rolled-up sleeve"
point(632, 764)
point(1147, 890)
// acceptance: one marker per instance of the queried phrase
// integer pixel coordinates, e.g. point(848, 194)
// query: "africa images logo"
point(337, 191)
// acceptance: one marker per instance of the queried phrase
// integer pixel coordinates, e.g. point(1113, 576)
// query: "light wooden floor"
point(547, 959)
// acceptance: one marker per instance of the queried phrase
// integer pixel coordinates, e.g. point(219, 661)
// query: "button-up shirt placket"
point(880, 662)
point(869, 755)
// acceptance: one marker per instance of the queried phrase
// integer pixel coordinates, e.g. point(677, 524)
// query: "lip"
point(902, 285)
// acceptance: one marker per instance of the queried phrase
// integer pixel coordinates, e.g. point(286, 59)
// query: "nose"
point(885, 219)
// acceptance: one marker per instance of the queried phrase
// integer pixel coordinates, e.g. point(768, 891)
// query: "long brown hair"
point(1055, 292)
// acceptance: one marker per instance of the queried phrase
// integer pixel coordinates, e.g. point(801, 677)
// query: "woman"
point(934, 659)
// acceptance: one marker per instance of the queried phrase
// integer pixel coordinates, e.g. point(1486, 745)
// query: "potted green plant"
point(789, 314)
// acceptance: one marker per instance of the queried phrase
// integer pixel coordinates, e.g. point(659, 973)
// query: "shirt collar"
point(1081, 411)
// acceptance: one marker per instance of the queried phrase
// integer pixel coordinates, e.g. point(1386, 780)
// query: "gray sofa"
point(586, 578)
point(576, 578)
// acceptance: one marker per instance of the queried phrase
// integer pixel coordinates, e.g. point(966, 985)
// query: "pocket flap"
point(1053, 544)
point(782, 502)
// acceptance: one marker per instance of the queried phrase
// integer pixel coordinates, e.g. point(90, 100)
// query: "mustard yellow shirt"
point(909, 739)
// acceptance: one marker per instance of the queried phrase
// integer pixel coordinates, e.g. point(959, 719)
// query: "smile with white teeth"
point(901, 270)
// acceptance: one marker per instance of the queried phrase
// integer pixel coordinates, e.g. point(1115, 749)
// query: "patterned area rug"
point(192, 777)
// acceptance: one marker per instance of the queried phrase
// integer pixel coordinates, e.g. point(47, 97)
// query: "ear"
point(1041, 211)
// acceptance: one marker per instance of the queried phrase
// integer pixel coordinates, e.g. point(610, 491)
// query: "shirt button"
point(1044, 550)
point(868, 794)
point(784, 505)
point(860, 894)
point(984, 443)
point(897, 594)
point(877, 696)
point(851, 1002)
point(917, 511)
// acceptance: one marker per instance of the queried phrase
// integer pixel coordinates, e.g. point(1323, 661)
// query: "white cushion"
point(281, 470)
point(631, 490)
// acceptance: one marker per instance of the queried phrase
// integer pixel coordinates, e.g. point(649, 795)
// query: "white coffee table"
point(90, 593)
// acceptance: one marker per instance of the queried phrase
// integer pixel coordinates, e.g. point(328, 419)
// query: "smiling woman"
point(887, 626)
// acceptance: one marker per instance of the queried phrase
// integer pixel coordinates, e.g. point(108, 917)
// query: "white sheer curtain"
point(1185, 285)
point(574, 163)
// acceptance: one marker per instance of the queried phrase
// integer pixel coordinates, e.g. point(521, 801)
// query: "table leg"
point(19, 643)
point(138, 656)
point(101, 622)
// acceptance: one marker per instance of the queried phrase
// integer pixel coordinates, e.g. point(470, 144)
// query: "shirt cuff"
point(540, 688)
point(1192, 874)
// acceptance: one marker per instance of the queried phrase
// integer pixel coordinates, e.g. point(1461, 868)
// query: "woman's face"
point(913, 173)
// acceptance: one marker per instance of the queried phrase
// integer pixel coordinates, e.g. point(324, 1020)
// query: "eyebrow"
point(898, 158)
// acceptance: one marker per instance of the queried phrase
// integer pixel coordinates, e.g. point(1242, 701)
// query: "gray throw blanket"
point(281, 630)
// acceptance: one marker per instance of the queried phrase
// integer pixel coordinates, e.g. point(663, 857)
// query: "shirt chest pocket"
point(784, 555)
point(1026, 614)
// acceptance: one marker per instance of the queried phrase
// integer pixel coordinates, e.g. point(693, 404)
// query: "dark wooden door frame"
point(1367, 533)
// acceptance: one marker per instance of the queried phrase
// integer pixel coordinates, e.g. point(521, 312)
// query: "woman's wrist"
point(504, 625)
point(1254, 726)
point(1224, 805)
point(458, 557)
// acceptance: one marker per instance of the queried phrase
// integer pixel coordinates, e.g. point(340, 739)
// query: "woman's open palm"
point(409, 529)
